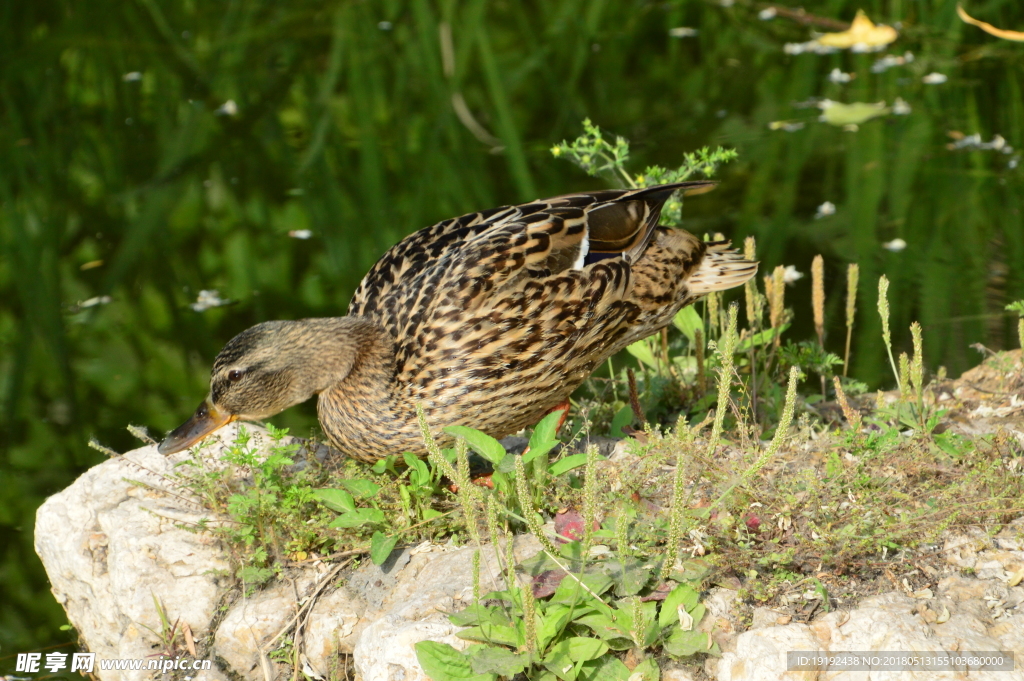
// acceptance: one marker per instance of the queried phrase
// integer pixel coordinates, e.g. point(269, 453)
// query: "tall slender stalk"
point(852, 275)
point(818, 304)
point(726, 348)
point(818, 297)
point(883, 312)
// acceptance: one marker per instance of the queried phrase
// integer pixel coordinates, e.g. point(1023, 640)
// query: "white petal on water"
point(228, 108)
point(208, 299)
point(683, 32)
point(900, 107)
point(837, 76)
point(890, 60)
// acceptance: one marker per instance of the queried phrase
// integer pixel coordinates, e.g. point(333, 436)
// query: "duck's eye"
point(235, 375)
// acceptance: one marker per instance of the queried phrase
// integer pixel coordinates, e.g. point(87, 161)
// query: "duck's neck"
point(344, 349)
point(358, 407)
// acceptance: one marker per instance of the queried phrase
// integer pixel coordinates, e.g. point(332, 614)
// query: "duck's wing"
point(552, 235)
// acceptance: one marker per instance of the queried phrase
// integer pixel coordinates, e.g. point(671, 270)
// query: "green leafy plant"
point(574, 613)
point(598, 156)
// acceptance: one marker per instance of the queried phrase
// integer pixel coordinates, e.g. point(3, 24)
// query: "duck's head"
point(263, 371)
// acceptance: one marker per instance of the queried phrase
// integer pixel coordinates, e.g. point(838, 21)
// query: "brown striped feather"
point(492, 318)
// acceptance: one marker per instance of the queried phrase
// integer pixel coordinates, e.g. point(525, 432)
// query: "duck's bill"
point(206, 420)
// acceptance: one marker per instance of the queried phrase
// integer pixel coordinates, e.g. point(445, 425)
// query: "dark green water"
point(127, 185)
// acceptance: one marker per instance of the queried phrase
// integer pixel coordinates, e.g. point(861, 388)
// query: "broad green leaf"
point(477, 614)
point(567, 464)
point(361, 489)
point(624, 619)
point(430, 514)
point(603, 626)
point(358, 517)
point(585, 648)
point(646, 671)
point(487, 659)
point(552, 622)
point(684, 643)
point(542, 448)
point(486, 632)
point(558, 662)
point(508, 464)
point(697, 613)
point(419, 469)
point(644, 351)
point(631, 575)
point(569, 590)
point(692, 570)
point(482, 443)
point(683, 595)
point(546, 430)
point(381, 546)
point(607, 668)
point(335, 499)
point(441, 662)
point(623, 417)
point(689, 322)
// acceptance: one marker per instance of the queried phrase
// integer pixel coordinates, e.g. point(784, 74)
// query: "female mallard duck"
point(488, 320)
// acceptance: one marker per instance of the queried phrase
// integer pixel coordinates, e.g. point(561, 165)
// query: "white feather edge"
point(584, 249)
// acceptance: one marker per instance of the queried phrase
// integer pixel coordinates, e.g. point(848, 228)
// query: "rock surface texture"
point(123, 537)
point(114, 541)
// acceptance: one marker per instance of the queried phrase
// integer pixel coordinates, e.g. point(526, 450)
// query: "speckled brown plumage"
point(487, 320)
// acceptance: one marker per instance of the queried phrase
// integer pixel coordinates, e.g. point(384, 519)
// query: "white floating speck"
point(837, 76)
point(813, 47)
point(683, 32)
point(934, 79)
point(132, 77)
point(228, 108)
point(998, 143)
point(896, 245)
point(767, 14)
point(384, 25)
point(790, 275)
point(93, 302)
point(900, 107)
point(300, 233)
point(890, 60)
point(208, 299)
point(825, 209)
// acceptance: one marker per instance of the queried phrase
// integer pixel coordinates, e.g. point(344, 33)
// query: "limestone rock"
point(110, 547)
point(110, 544)
point(118, 536)
point(889, 622)
point(428, 585)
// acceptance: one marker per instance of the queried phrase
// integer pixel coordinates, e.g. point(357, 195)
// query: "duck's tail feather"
point(722, 268)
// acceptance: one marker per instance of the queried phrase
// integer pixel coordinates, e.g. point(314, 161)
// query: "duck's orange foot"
point(563, 407)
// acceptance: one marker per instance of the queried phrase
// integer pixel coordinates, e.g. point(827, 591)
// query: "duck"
point(488, 320)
